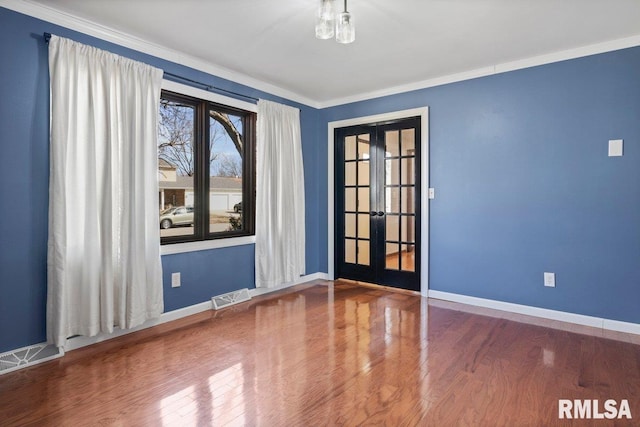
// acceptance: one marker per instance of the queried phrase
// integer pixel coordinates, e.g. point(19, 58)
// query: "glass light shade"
point(325, 19)
point(345, 29)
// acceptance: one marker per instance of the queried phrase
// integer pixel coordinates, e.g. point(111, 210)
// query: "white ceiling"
point(399, 43)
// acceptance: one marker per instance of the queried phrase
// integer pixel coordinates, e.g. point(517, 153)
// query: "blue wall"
point(519, 162)
point(524, 185)
point(24, 176)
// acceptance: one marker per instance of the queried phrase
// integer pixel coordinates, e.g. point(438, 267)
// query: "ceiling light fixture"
point(330, 23)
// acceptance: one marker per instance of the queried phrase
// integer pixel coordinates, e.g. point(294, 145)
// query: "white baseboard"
point(579, 319)
point(79, 341)
point(616, 325)
point(309, 277)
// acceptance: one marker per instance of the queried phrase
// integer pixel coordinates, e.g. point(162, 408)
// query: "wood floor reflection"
point(327, 354)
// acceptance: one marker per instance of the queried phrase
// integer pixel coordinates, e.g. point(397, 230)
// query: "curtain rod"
point(208, 87)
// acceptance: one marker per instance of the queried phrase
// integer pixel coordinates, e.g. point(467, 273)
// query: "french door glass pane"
point(408, 171)
point(392, 172)
point(350, 251)
point(392, 199)
point(363, 252)
point(350, 200)
point(392, 258)
point(350, 148)
point(392, 228)
point(363, 146)
point(350, 173)
point(408, 229)
point(363, 226)
point(408, 200)
point(408, 258)
point(363, 199)
point(392, 143)
point(408, 142)
point(350, 225)
point(363, 172)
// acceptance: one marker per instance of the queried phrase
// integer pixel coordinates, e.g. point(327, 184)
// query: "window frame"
point(204, 101)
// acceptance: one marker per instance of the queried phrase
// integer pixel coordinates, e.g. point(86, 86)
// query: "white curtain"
point(280, 232)
point(104, 245)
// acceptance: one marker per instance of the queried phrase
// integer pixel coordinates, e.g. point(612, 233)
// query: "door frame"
point(423, 113)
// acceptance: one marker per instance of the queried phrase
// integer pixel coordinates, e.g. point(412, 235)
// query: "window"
point(206, 169)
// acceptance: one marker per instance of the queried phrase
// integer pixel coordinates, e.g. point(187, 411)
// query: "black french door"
point(377, 203)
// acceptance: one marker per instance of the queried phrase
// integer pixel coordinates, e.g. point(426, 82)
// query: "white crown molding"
point(423, 84)
point(108, 34)
point(102, 32)
point(535, 61)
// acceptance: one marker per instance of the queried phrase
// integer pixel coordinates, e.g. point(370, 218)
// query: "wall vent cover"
point(28, 356)
point(231, 298)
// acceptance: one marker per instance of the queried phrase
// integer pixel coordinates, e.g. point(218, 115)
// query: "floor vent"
point(28, 356)
point(231, 298)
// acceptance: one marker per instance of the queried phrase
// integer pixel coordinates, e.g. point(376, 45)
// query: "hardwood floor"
point(328, 354)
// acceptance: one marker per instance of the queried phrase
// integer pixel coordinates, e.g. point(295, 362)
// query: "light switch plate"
point(432, 193)
point(615, 147)
point(550, 280)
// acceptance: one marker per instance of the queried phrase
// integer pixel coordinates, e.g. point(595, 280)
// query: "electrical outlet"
point(175, 280)
point(550, 280)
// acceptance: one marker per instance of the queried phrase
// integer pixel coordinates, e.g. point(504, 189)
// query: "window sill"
point(179, 248)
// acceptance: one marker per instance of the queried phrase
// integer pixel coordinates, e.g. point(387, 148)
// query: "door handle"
point(374, 213)
point(380, 213)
